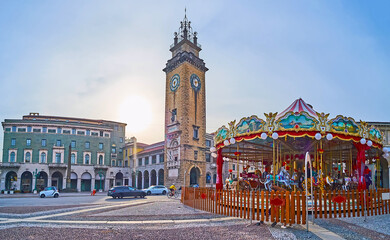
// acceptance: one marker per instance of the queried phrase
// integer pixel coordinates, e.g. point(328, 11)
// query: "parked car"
point(159, 189)
point(125, 191)
point(49, 192)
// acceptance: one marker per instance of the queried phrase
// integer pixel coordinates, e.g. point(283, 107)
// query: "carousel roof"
point(298, 106)
point(299, 120)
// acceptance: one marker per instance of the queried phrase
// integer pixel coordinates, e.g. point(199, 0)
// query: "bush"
point(17, 191)
point(2, 191)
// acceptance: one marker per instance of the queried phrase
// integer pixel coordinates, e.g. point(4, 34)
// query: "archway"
point(208, 178)
point(86, 179)
point(26, 183)
point(153, 177)
point(99, 181)
point(56, 180)
point(10, 180)
point(41, 180)
point(194, 176)
point(139, 180)
point(146, 179)
point(73, 180)
point(119, 179)
point(161, 177)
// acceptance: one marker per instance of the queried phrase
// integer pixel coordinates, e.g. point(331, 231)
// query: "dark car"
point(125, 191)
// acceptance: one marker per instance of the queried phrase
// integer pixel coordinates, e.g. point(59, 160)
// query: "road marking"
point(323, 233)
point(122, 222)
point(88, 210)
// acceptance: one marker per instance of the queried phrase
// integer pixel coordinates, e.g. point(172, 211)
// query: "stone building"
point(185, 111)
point(37, 148)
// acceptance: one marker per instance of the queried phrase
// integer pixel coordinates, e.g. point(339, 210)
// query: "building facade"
point(37, 148)
point(185, 111)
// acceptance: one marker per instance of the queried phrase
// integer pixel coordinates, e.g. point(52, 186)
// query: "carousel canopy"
point(297, 121)
point(298, 106)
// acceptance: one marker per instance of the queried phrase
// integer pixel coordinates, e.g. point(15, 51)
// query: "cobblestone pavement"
point(154, 217)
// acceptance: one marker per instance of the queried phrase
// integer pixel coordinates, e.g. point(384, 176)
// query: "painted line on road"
point(124, 222)
point(323, 233)
point(87, 210)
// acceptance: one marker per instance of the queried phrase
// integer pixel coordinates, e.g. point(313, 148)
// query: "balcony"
point(213, 165)
point(113, 155)
point(58, 165)
point(10, 165)
point(103, 167)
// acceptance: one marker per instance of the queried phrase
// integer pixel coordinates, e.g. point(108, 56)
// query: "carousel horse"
point(251, 181)
point(350, 183)
point(333, 183)
point(283, 177)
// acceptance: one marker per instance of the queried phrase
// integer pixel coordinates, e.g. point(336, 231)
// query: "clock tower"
point(185, 111)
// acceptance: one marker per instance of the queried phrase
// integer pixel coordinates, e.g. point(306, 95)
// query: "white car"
point(49, 192)
point(159, 189)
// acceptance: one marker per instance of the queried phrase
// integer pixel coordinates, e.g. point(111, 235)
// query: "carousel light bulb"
point(232, 141)
point(214, 155)
point(369, 143)
point(363, 141)
point(329, 136)
point(226, 142)
point(318, 136)
point(213, 149)
point(275, 135)
point(263, 136)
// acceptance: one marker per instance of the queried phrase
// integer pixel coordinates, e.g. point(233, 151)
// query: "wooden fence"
point(286, 207)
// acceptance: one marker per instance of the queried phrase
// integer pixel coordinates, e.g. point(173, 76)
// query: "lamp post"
point(36, 178)
point(100, 175)
point(68, 172)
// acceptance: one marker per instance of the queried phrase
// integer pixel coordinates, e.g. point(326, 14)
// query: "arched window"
point(87, 159)
point(215, 178)
point(100, 160)
point(12, 158)
point(73, 158)
point(43, 157)
point(208, 178)
point(28, 157)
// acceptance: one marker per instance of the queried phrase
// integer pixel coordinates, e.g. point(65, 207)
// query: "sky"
point(104, 59)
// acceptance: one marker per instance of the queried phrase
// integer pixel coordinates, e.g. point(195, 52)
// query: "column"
point(2, 182)
point(49, 181)
point(219, 184)
point(93, 184)
point(64, 183)
point(106, 184)
point(33, 183)
point(18, 182)
point(157, 178)
point(78, 184)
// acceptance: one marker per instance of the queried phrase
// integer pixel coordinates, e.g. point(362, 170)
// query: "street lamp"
point(36, 173)
point(101, 176)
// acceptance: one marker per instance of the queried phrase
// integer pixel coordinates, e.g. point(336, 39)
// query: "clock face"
point(175, 82)
point(195, 82)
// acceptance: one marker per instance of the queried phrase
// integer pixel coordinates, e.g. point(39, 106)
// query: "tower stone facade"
point(185, 111)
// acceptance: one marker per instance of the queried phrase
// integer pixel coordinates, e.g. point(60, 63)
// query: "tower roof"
point(186, 32)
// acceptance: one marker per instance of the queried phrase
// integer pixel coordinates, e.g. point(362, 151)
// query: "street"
point(155, 217)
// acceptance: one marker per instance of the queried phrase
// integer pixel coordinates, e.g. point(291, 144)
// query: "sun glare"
point(136, 111)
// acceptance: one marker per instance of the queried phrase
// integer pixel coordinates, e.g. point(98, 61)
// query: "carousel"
point(264, 154)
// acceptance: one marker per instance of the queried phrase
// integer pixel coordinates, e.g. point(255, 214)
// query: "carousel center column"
point(219, 184)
